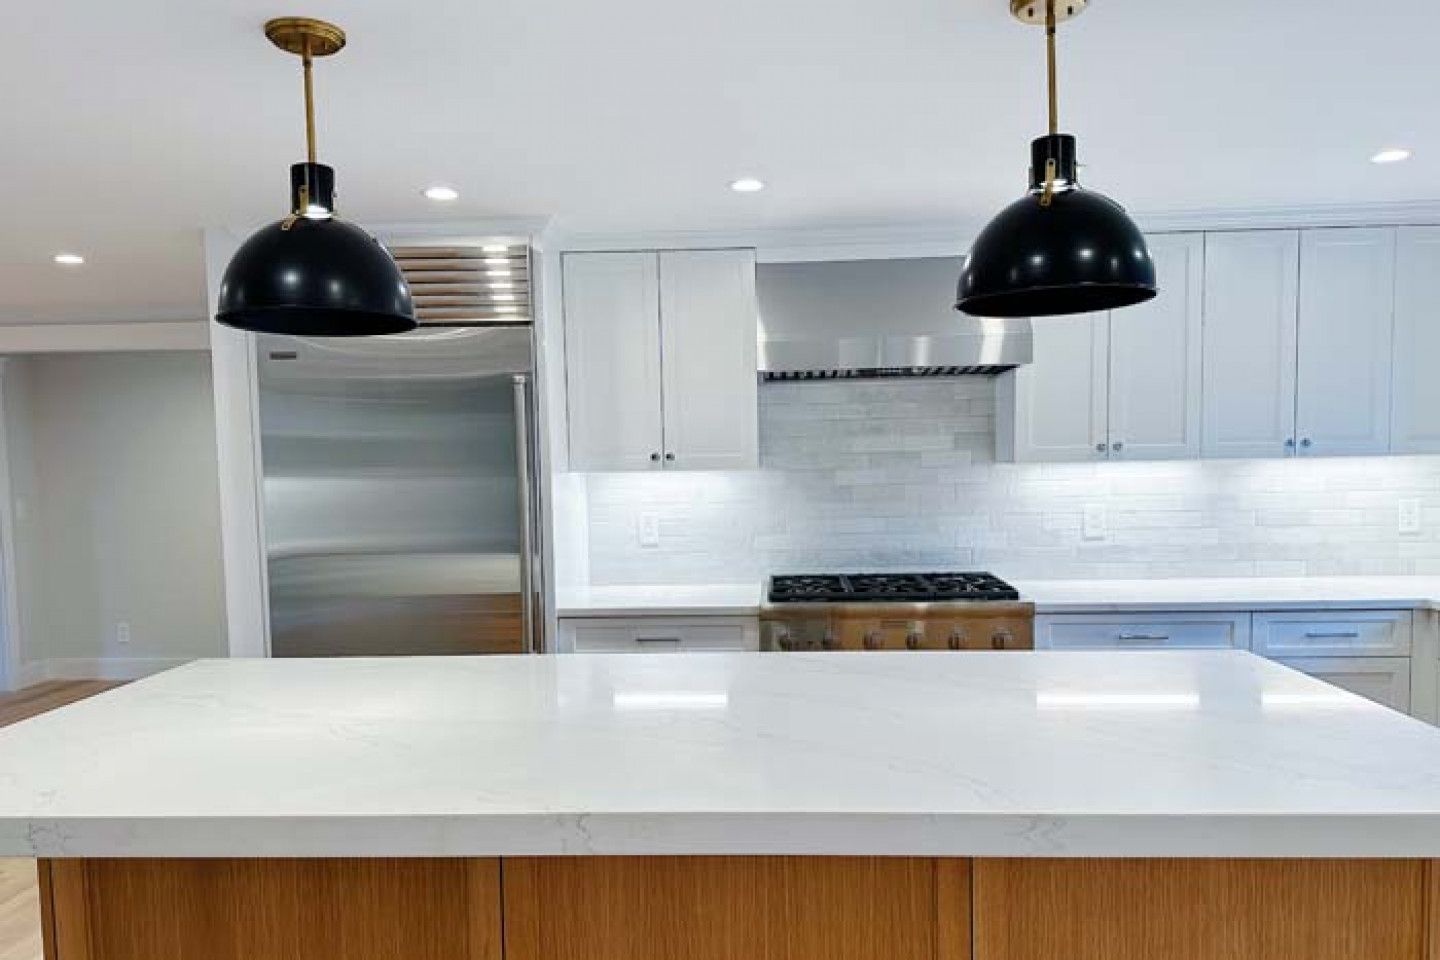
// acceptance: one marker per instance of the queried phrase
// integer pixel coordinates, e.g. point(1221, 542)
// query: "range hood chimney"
point(877, 318)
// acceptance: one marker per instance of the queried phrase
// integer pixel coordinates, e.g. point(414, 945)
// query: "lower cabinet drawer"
point(1151, 631)
point(1386, 680)
point(1333, 633)
point(658, 634)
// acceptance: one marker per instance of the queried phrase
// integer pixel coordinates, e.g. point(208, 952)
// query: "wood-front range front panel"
point(741, 908)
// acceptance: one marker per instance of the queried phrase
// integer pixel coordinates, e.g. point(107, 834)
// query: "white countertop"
point(1232, 593)
point(713, 600)
point(1051, 596)
point(992, 754)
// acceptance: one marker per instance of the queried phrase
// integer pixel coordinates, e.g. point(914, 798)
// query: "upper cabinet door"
point(708, 323)
point(1054, 409)
point(1155, 359)
point(612, 347)
point(1251, 288)
point(1347, 298)
point(1415, 419)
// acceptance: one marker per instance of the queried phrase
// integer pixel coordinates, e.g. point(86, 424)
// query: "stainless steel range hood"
point(877, 318)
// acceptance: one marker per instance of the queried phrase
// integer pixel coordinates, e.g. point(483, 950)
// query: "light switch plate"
point(122, 631)
point(647, 529)
point(1409, 516)
point(1093, 522)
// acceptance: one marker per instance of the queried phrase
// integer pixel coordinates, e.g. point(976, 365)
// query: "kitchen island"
point(1001, 806)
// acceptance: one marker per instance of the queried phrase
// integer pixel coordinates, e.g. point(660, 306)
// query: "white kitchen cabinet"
point(1415, 412)
point(657, 634)
point(1124, 385)
point(1201, 630)
point(1347, 295)
point(660, 360)
point(1155, 347)
point(1251, 294)
point(1386, 680)
point(612, 362)
point(1054, 409)
point(1323, 633)
point(708, 351)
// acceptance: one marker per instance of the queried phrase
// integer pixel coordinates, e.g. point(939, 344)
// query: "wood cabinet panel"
point(273, 909)
point(725, 908)
point(1199, 909)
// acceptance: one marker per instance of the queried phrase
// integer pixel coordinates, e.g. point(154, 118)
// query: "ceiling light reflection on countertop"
point(441, 194)
point(1082, 700)
point(1391, 155)
point(69, 259)
point(747, 185)
point(645, 700)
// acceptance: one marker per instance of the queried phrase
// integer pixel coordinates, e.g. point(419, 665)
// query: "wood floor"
point(19, 895)
point(23, 704)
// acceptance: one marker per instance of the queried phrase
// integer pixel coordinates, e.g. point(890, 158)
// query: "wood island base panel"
point(740, 908)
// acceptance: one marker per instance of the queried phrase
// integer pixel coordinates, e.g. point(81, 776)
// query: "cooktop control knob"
point(1002, 639)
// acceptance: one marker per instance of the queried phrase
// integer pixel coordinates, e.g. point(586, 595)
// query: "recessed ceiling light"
point(69, 259)
point(442, 194)
point(747, 185)
point(1391, 155)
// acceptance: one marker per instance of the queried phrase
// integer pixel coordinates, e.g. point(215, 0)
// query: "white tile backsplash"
point(901, 474)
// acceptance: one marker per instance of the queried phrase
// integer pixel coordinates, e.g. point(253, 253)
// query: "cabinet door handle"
point(657, 639)
point(1099, 448)
point(1289, 443)
point(1117, 447)
point(1306, 442)
point(1139, 637)
point(1333, 635)
point(670, 457)
point(654, 458)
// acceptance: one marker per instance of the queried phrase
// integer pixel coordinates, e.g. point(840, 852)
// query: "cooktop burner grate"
point(892, 587)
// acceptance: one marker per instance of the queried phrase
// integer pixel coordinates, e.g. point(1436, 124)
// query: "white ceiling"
point(125, 127)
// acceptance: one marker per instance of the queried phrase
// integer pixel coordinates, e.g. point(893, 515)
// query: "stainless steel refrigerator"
point(400, 499)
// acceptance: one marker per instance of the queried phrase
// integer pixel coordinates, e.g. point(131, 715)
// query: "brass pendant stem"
point(310, 102)
point(1050, 66)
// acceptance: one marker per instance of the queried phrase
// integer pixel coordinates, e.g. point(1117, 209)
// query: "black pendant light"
point(1060, 249)
point(313, 274)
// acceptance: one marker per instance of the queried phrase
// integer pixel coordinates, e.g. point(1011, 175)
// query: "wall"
point(116, 511)
point(901, 474)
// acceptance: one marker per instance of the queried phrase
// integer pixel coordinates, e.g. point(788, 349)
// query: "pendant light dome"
point(312, 273)
point(1060, 249)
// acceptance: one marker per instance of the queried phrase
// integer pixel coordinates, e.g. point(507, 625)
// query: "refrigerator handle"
point(525, 482)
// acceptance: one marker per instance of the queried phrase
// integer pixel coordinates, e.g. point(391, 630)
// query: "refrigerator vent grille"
point(461, 285)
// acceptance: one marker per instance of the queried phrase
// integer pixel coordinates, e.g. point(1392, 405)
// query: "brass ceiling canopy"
point(302, 35)
point(1033, 11)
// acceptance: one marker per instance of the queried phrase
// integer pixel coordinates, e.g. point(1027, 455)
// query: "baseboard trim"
point(94, 668)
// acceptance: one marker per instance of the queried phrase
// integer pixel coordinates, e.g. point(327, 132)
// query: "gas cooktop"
point(889, 587)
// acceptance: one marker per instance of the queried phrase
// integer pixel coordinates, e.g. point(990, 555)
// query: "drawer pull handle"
point(1141, 637)
point(657, 639)
point(1335, 635)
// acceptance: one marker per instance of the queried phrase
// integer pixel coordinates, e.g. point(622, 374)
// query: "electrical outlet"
point(1092, 522)
point(122, 632)
point(1409, 516)
point(647, 530)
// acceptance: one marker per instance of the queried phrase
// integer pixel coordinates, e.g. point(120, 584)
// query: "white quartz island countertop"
point(988, 754)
